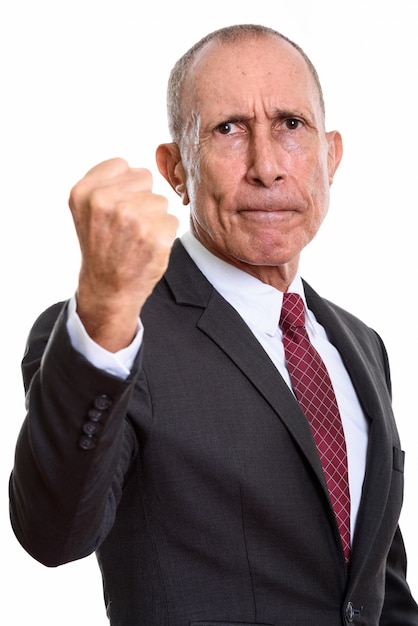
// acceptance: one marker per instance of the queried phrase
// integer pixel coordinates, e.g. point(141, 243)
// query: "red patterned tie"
point(314, 391)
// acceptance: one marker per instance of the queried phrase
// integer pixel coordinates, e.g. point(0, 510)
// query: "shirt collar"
point(258, 304)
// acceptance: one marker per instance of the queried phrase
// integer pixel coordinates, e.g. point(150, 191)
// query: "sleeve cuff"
point(115, 363)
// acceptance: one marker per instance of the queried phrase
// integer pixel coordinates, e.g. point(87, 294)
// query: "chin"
point(264, 260)
point(268, 253)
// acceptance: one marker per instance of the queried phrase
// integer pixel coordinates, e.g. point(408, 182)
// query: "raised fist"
point(125, 235)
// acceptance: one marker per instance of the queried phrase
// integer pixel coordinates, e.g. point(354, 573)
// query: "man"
point(174, 446)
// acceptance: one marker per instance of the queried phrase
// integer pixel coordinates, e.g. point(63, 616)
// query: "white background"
point(84, 80)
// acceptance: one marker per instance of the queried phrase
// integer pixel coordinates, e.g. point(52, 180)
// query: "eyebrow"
point(283, 114)
point(277, 114)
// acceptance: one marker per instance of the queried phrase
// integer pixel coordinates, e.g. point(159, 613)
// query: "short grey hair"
point(229, 34)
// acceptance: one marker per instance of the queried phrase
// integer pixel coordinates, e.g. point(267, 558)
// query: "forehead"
point(243, 72)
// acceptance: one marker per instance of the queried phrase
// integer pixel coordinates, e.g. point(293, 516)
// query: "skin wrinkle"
point(237, 35)
point(257, 183)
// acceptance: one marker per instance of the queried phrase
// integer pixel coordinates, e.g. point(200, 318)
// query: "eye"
point(292, 123)
point(227, 128)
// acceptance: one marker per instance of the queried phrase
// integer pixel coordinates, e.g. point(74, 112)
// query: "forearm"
point(64, 492)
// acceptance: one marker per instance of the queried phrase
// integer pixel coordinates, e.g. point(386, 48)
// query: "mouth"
point(270, 205)
point(267, 212)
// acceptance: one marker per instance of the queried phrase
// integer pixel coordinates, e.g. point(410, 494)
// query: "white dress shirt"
point(259, 305)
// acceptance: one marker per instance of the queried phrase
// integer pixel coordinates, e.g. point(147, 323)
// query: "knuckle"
point(98, 199)
point(77, 194)
point(143, 175)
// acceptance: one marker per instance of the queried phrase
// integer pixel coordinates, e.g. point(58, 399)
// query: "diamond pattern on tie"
point(315, 394)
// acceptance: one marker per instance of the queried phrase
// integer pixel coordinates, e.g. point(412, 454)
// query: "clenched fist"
point(125, 235)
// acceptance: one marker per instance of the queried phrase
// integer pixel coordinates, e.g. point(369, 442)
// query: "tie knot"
point(293, 311)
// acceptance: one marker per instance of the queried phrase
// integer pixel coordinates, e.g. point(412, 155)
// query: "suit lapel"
point(238, 342)
point(374, 397)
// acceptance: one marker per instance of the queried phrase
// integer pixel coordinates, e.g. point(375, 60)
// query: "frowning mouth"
point(268, 205)
point(265, 209)
point(268, 211)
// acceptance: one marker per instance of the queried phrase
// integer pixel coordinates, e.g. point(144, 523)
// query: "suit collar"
point(258, 303)
point(186, 282)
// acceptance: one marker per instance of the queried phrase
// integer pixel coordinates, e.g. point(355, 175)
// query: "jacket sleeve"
point(74, 449)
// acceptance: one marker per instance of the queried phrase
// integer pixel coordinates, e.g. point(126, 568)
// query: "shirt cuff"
point(116, 363)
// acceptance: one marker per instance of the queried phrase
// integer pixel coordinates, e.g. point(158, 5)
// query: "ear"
point(335, 153)
point(170, 165)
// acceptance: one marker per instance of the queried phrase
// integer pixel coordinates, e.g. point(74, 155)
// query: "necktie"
point(315, 394)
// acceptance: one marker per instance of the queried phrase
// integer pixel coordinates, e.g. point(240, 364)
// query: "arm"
point(67, 480)
point(64, 493)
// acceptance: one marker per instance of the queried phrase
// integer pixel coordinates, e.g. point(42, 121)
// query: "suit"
point(196, 480)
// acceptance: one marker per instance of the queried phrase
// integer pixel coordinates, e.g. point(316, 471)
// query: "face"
point(257, 163)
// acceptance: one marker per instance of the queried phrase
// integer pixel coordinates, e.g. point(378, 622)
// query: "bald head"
point(224, 36)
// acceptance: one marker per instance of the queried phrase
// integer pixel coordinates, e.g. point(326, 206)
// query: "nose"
point(265, 165)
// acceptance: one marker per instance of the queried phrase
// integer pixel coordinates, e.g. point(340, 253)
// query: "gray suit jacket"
point(197, 481)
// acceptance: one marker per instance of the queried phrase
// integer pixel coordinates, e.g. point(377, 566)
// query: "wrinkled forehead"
point(255, 67)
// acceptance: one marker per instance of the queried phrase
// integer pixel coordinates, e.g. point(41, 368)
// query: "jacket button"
point(102, 402)
point(95, 415)
point(90, 428)
point(349, 612)
point(87, 442)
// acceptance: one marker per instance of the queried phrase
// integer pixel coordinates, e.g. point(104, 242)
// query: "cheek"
point(320, 203)
point(209, 185)
point(319, 187)
point(204, 200)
